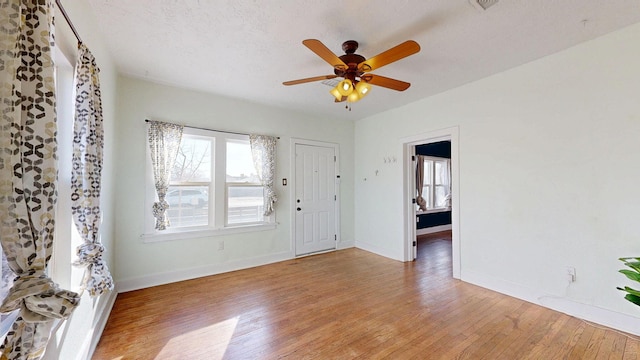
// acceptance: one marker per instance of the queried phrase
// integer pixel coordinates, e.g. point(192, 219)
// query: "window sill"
point(433, 211)
point(193, 234)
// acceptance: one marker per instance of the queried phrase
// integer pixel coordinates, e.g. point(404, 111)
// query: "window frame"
point(217, 196)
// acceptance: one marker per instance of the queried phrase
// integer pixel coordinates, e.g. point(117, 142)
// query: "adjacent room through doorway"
point(432, 203)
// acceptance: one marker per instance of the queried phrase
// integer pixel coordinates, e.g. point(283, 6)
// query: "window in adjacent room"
point(436, 188)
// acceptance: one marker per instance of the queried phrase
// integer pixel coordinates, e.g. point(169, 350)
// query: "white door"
point(315, 199)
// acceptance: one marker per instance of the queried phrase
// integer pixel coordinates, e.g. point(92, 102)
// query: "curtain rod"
point(66, 17)
point(222, 131)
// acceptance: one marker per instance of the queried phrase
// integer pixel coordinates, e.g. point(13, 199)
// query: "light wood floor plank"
point(344, 305)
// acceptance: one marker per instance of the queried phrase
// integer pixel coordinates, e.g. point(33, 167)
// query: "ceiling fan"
point(355, 69)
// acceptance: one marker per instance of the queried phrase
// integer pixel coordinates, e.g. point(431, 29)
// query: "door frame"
point(409, 143)
point(292, 199)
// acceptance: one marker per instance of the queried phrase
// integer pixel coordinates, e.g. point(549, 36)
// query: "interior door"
point(315, 194)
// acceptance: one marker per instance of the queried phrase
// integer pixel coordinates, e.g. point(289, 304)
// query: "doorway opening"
point(440, 220)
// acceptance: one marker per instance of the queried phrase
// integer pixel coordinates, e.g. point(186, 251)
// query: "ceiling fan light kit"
point(354, 68)
point(345, 87)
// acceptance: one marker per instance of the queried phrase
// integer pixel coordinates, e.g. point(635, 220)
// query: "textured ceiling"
point(247, 48)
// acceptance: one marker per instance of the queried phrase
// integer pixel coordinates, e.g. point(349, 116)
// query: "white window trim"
point(433, 211)
point(219, 217)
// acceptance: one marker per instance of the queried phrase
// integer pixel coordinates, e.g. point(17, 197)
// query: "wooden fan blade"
point(396, 53)
point(344, 98)
point(327, 55)
point(389, 83)
point(316, 78)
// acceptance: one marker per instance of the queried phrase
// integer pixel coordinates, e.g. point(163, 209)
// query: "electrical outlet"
point(571, 274)
point(221, 245)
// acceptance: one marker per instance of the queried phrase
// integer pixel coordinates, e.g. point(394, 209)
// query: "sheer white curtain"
point(443, 183)
point(263, 151)
point(86, 176)
point(28, 176)
point(164, 143)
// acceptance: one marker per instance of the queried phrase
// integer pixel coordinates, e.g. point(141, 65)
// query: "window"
point(436, 188)
point(214, 187)
point(67, 238)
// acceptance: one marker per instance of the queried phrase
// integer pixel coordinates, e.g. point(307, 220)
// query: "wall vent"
point(483, 5)
point(332, 82)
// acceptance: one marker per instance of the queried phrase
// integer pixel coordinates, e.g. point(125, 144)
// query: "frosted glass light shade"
point(363, 89)
point(353, 97)
point(345, 87)
point(336, 93)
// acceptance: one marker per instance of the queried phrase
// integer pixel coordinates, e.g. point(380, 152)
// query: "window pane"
point(427, 172)
point(442, 173)
point(193, 162)
point(244, 204)
point(426, 194)
point(188, 205)
point(438, 172)
point(440, 197)
point(240, 168)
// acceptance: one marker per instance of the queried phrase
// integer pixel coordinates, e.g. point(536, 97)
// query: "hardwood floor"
point(343, 305)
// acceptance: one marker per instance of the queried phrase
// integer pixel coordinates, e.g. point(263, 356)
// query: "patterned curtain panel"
point(28, 175)
point(86, 175)
point(164, 142)
point(263, 150)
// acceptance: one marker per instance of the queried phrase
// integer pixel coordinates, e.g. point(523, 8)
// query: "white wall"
point(549, 170)
point(140, 264)
point(77, 335)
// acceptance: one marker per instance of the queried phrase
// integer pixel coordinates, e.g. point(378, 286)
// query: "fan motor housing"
point(351, 59)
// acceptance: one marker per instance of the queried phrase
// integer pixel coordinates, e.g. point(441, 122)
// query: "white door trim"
point(409, 143)
point(292, 176)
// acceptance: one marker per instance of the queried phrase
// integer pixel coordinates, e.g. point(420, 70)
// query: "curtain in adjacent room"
point(164, 143)
point(28, 175)
point(420, 201)
point(448, 197)
point(263, 151)
point(86, 174)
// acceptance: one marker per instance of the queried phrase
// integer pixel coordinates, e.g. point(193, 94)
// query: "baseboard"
point(100, 323)
point(591, 313)
point(346, 244)
point(433, 229)
point(192, 273)
point(378, 250)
